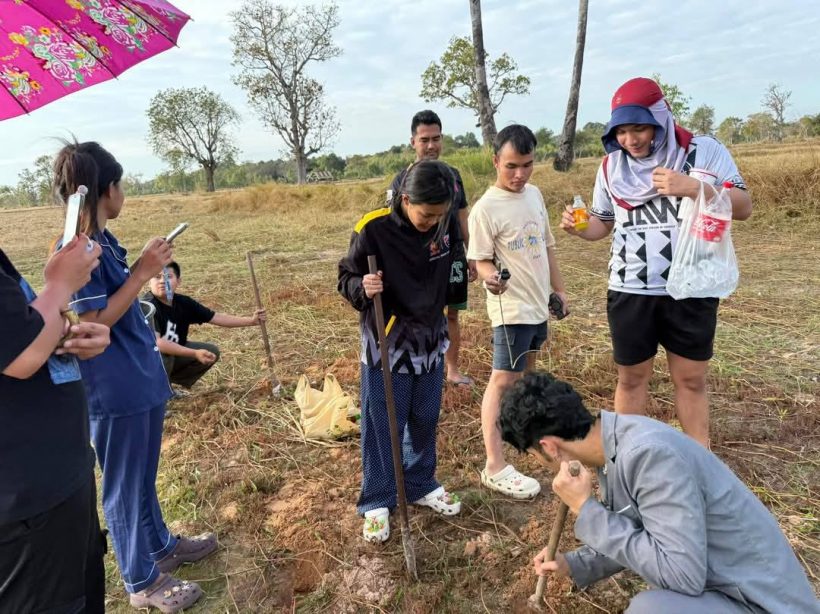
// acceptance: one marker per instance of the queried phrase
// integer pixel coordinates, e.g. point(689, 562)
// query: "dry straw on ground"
point(234, 459)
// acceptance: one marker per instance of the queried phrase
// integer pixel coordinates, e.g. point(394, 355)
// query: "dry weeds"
point(235, 461)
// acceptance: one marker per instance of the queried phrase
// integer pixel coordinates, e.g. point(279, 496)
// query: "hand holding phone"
point(176, 232)
point(74, 208)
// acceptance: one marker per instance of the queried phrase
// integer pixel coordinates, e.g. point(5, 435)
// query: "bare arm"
point(463, 226)
point(741, 204)
point(230, 321)
point(556, 279)
point(672, 183)
point(48, 304)
point(175, 349)
point(597, 229)
point(490, 276)
point(118, 303)
point(156, 254)
point(66, 271)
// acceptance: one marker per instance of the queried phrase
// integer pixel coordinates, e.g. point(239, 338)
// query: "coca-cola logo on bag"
point(709, 228)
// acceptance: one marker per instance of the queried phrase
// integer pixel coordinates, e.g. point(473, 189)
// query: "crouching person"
point(671, 511)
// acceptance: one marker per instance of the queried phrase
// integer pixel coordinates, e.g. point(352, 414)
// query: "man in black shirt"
point(186, 361)
point(425, 138)
point(51, 547)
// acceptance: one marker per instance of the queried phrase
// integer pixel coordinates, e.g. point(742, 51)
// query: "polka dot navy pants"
point(418, 402)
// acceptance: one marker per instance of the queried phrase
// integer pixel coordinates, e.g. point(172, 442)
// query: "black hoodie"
point(416, 275)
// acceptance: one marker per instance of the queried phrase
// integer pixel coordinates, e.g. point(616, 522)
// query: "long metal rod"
point(395, 442)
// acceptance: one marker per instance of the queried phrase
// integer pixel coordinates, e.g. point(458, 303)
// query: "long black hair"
point(428, 182)
point(87, 164)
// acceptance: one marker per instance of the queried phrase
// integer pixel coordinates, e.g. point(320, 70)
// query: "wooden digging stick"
point(557, 528)
point(395, 442)
point(276, 387)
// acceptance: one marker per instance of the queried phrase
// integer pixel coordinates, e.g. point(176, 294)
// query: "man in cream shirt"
point(509, 229)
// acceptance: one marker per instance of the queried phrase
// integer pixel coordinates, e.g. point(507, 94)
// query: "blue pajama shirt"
point(127, 390)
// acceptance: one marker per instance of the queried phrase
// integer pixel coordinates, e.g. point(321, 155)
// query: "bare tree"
point(486, 113)
point(192, 125)
point(563, 159)
point(776, 100)
point(273, 45)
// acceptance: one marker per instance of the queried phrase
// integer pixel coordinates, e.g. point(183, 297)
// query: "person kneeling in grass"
point(670, 511)
point(186, 361)
point(413, 243)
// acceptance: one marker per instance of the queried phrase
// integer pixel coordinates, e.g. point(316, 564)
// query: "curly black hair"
point(539, 405)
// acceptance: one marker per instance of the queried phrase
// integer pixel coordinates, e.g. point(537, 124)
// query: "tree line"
point(192, 129)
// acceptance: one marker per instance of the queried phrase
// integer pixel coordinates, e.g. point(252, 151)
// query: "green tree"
point(702, 120)
point(467, 139)
point(544, 136)
point(192, 123)
point(809, 125)
point(759, 127)
point(330, 162)
point(34, 186)
point(453, 78)
point(594, 128)
point(678, 102)
point(273, 45)
point(588, 140)
point(730, 130)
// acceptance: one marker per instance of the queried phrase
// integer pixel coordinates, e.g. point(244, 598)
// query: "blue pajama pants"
point(128, 450)
point(418, 402)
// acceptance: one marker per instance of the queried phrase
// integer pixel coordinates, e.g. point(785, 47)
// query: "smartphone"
point(74, 207)
point(176, 232)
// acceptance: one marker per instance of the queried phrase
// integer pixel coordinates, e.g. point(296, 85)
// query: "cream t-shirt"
point(512, 229)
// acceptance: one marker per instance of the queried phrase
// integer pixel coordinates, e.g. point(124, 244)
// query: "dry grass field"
point(235, 461)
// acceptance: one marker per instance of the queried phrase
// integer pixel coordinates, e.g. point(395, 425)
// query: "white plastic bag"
point(704, 263)
point(325, 413)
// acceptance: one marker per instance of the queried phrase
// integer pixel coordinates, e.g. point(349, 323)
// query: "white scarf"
point(628, 179)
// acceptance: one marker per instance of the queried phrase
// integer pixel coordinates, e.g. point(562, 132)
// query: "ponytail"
point(87, 164)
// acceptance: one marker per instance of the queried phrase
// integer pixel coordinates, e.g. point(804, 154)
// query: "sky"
point(722, 53)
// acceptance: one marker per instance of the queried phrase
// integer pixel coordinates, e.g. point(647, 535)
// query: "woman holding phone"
point(127, 390)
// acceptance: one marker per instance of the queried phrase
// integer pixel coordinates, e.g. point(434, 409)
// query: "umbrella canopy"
point(51, 48)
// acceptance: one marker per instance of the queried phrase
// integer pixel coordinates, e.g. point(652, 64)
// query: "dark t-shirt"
point(172, 321)
point(45, 454)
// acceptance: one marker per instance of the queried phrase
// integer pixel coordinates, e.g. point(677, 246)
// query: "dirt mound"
point(367, 583)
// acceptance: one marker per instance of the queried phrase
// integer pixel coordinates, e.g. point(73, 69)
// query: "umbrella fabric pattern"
point(51, 48)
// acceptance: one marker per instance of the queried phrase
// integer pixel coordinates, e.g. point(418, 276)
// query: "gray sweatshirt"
point(673, 513)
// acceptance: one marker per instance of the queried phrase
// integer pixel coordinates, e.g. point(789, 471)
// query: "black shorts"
point(639, 322)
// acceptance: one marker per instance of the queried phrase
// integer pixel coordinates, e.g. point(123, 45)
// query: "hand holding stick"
point(555, 536)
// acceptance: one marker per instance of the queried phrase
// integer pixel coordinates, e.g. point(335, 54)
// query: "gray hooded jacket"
point(672, 512)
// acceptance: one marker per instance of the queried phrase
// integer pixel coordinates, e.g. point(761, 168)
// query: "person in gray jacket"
point(670, 510)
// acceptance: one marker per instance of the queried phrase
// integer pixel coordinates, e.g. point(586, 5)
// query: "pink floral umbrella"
point(51, 48)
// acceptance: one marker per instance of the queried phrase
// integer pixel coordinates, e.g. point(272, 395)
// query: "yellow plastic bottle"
point(580, 213)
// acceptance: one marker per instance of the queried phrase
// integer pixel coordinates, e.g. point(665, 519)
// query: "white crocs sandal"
point(376, 525)
point(441, 501)
point(512, 483)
